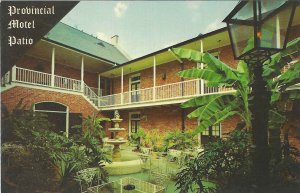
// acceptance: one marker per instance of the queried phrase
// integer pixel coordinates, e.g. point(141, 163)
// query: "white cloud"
point(193, 5)
point(120, 8)
point(103, 36)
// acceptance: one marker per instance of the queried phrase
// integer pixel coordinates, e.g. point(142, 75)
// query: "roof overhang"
point(67, 56)
point(210, 42)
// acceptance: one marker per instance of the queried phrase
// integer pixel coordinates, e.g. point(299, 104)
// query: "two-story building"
point(69, 74)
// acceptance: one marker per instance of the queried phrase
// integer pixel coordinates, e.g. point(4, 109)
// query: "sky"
point(147, 26)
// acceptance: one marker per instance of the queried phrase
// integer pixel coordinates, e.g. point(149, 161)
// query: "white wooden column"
point(99, 85)
point(52, 66)
point(14, 73)
point(67, 121)
point(82, 74)
point(154, 78)
point(122, 84)
point(99, 89)
point(201, 66)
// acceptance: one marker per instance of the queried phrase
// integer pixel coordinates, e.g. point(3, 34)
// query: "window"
point(213, 131)
point(134, 122)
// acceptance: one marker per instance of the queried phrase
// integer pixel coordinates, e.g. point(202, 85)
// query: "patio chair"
point(160, 179)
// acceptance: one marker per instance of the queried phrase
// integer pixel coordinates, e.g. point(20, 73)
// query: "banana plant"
point(213, 109)
point(279, 83)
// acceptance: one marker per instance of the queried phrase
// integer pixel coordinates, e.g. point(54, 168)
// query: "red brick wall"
point(28, 62)
point(164, 118)
point(170, 70)
point(76, 103)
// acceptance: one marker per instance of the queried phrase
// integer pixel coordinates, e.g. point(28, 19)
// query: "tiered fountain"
point(116, 141)
point(128, 163)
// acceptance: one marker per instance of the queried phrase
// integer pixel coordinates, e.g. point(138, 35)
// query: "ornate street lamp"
point(258, 29)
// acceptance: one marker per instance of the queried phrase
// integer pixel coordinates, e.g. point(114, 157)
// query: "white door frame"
point(129, 120)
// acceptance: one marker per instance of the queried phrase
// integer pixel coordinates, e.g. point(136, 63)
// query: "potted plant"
point(137, 138)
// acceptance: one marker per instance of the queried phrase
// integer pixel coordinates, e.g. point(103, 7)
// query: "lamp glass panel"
point(267, 6)
point(242, 38)
point(274, 29)
point(245, 13)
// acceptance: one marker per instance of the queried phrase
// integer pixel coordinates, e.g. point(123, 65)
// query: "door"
point(134, 122)
point(135, 88)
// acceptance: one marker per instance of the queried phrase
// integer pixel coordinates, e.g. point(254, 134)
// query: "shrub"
point(223, 161)
point(180, 140)
point(34, 158)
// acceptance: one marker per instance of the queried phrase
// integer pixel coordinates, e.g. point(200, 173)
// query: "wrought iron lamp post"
point(257, 30)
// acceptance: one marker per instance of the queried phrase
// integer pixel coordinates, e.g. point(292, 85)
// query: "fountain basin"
point(116, 120)
point(124, 167)
point(116, 129)
point(116, 141)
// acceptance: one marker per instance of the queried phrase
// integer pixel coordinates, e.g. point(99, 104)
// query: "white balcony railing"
point(179, 90)
point(87, 91)
point(32, 77)
point(67, 83)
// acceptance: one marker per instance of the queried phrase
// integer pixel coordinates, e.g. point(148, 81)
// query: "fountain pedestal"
point(116, 141)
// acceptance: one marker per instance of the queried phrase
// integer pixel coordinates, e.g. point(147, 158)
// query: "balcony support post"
point(82, 74)
point(201, 66)
point(154, 78)
point(122, 84)
point(14, 73)
point(52, 66)
point(67, 121)
point(99, 89)
point(99, 85)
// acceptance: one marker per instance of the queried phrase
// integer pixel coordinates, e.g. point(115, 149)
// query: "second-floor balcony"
point(165, 94)
point(47, 80)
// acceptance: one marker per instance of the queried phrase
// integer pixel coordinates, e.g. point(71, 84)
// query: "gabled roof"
point(73, 38)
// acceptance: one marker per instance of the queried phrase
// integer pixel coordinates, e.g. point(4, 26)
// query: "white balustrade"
point(32, 77)
point(87, 91)
point(179, 90)
point(67, 83)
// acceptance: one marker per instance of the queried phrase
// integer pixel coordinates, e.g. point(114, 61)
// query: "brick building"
point(69, 74)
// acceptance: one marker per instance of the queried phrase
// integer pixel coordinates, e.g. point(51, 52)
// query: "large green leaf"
point(212, 62)
point(292, 47)
point(188, 54)
point(205, 74)
point(218, 66)
point(202, 100)
point(211, 107)
point(219, 117)
point(290, 77)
